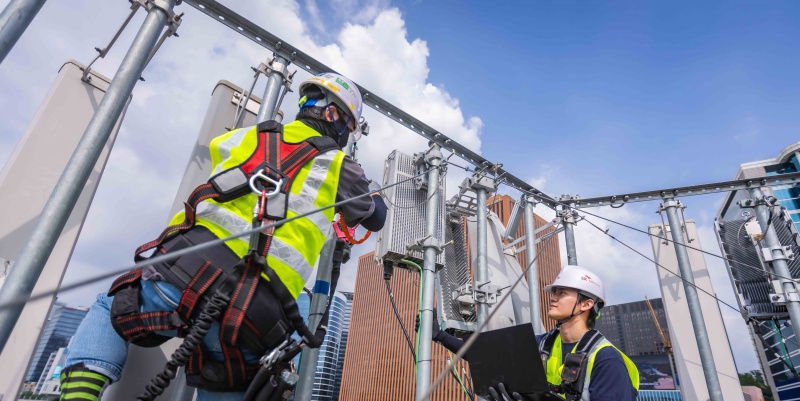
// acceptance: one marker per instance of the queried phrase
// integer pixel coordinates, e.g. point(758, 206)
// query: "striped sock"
point(79, 383)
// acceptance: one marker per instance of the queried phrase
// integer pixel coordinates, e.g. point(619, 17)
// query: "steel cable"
point(175, 254)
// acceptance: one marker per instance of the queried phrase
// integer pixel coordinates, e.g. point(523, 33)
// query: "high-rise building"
point(631, 328)
point(345, 330)
point(60, 327)
point(772, 334)
point(328, 376)
point(378, 364)
point(548, 262)
point(49, 382)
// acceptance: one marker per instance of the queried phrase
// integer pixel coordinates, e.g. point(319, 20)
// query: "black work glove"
point(501, 394)
point(435, 331)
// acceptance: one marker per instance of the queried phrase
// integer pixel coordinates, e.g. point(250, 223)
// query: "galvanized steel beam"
point(294, 55)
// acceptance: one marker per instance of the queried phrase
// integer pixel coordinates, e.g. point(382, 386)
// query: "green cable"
point(421, 286)
point(783, 346)
point(458, 377)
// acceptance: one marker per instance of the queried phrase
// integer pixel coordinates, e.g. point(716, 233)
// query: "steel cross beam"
point(271, 42)
point(664, 194)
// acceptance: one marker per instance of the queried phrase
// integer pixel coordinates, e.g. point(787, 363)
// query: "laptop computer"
point(510, 356)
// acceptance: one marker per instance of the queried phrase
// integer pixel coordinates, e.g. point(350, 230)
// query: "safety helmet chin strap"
point(572, 314)
point(346, 123)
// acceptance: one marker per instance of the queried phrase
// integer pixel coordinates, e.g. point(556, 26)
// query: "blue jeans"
point(102, 350)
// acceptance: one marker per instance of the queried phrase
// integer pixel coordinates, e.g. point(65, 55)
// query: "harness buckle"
point(259, 175)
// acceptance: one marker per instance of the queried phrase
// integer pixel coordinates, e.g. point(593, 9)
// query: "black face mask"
point(326, 128)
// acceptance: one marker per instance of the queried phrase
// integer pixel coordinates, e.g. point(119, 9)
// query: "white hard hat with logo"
point(582, 280)
point(341, 91)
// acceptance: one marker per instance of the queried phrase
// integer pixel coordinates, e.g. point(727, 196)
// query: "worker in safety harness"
point(580, 363)
point(235, 302)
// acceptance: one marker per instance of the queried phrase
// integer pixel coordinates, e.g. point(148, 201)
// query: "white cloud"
point(134, 197)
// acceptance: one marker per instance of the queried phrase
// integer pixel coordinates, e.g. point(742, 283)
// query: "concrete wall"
point(687, 358)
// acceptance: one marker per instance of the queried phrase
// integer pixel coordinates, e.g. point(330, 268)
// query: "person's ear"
point(587, 305)
point(329, 113)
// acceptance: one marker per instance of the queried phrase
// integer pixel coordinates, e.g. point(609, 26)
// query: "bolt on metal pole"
point(779, 265)
point(695, 312)
point(533, 269)
point(14, 19)
point(482, 267)
point(568, 217)
point(431, 250)
point(51, 222)
point(310, 356)
point(269, 102)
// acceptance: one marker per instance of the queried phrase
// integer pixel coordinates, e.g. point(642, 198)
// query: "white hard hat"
point(582, 280)
point(341, 91)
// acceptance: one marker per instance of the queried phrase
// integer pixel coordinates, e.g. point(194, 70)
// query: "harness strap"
point(575, 367)
point(201, 193)
point(128, 320)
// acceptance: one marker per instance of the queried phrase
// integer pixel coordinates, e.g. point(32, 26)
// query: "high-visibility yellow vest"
point(555, 365)
point(295, 245)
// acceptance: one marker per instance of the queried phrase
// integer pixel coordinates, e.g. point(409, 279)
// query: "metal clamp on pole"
point(693, 301)
point(569, 218)
point(431, 249)
point(279, 82)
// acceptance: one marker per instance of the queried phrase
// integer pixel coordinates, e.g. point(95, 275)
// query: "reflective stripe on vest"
point(555, 365)
point(296, 245)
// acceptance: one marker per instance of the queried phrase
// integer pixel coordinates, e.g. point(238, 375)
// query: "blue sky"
point(584, 98)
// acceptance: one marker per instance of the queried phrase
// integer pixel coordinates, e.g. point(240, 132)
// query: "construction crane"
point(667, 345)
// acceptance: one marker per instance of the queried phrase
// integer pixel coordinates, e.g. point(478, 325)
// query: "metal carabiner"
point(269, 359)
point(260, 175)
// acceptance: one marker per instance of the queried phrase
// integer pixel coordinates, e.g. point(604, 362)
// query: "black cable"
point(178, 253)
point(743, 313)
point(399, 320)
point(756, 268)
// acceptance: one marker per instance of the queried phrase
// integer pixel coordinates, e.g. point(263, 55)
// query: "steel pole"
point(319, 302)
point(428, 274)
point(26, 271)
point(569, 236)
point(14, 19)
point(269, 102)
point(482, 267)
point(533, 269)
point(696, 313)
point(779, 265)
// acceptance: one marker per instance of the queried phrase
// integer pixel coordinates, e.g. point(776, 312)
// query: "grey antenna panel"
point(752, 285)
point(455, 274)
point(406, 217)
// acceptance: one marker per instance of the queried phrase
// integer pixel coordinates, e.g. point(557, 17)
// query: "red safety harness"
point(260, 314)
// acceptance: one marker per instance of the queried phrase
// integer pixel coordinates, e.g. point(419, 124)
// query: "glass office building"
point(771, 331)
point(328, 377)
point(60, 327)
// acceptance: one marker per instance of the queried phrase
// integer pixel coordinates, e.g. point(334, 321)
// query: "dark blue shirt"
point(610, 380)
